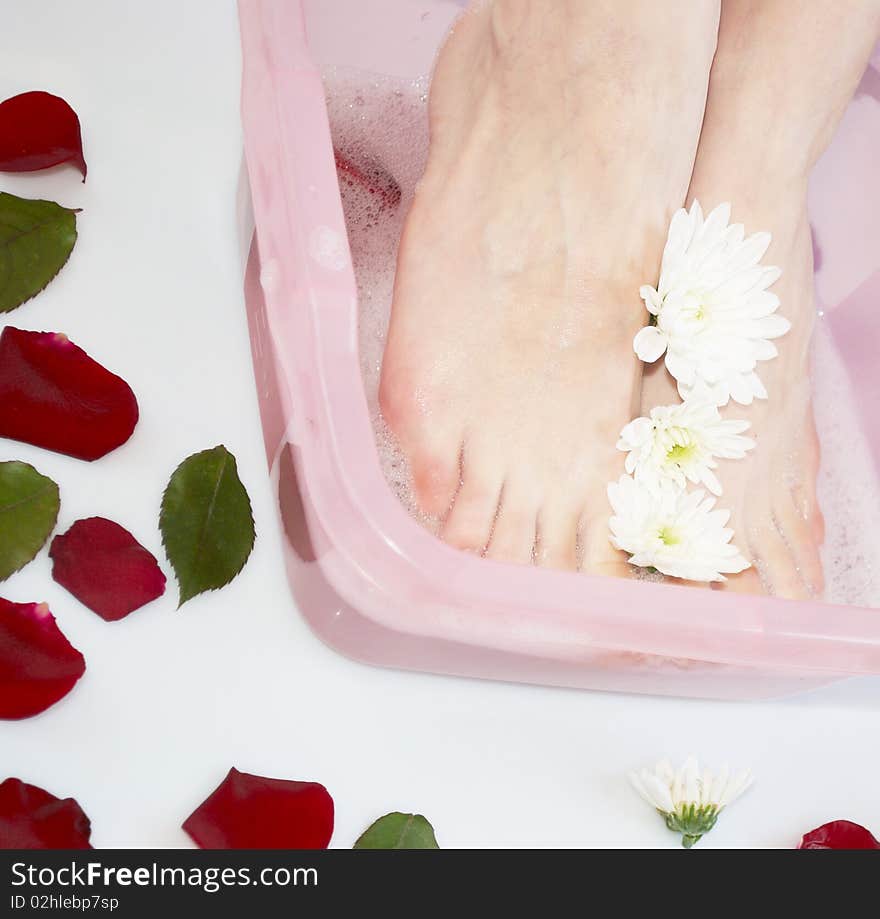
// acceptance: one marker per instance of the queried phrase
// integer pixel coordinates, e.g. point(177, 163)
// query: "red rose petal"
point(38, 130)
point(38, 665)
point(53, 395)
point(31, 818)
point(253, 812)
point(839, 834)
point(106, 568)
point(369, 177)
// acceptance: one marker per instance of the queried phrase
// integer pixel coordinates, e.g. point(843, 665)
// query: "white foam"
point(378, 120)
point(848, 487)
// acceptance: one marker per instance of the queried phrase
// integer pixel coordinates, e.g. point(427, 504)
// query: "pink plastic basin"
point(371, 582)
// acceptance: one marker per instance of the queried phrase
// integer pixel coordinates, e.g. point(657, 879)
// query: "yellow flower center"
point(697, 307)
point(681, 453)
point(669, 536)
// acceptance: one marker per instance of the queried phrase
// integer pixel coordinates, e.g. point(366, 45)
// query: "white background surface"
point(172, 699)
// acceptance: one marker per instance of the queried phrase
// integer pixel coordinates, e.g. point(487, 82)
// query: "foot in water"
point(562, 140)
point(781, 80)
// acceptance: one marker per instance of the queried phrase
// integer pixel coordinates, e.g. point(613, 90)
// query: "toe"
point(699, 585)
point(764, 550)
point(817, 522)
point(470, 521)
point(805, 506)
point(775, 563)
point(436, 477)
point(746, 582)
point(513, 538)
point(399, 400)
point(800, 535)
point(557, 539)
point(598, 556)
point(430, 442)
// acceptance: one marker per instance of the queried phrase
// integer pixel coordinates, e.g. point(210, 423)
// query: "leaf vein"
point(7, 241)
point(33, 496)
point(209, 513)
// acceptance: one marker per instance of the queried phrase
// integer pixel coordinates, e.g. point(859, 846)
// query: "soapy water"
point(380, 135)
point(380, 138)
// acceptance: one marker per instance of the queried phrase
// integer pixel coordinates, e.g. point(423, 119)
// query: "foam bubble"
point(327, 249)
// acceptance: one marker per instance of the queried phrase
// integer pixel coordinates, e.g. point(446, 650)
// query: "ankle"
point(783, 75)
point(617, 35)
point(749, 159)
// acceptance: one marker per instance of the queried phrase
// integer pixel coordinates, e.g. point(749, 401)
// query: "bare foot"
point(780, 82)
point(562, 140)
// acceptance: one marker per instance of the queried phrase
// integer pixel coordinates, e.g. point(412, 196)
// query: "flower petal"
point(665, 772)
point(38, 130)
point(31, 818)
point(681, 229)
point(691, 773)
point(758, 388)
point(751, 250)
point(774, 326)
point(653, 790)
point(764, 350)
point(717, 221)
point(369, 178)
point(741, 389)
point(636, 781)
point(634, 434)
point(649, 344)
point(719, 784)
point(254, 812)
point(678, 786)
point(652, 298)
point(53, 395)
point(680, 369)
point(737, 786)
point(707, 781)
point(658, 793)
point(710, 480)
point(38, 665)
point(106, 568)
point(839, 834)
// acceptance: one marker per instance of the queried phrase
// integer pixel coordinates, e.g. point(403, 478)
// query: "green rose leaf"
point(36, 239)
point(29, 504)
point(398, 831)
point(206, 522)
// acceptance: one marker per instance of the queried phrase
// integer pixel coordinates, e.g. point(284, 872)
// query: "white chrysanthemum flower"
point(689, 800)
point(680, 443)
point(712, 312)
point(674, 531)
